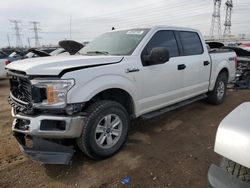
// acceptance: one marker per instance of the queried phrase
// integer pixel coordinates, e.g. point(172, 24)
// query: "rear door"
point(197, 65)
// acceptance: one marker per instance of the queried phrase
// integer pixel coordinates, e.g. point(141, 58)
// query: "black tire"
point(213, 96)
point(96, 113)
point(236, 170)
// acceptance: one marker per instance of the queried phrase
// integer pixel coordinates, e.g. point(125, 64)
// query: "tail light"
point(6, 62)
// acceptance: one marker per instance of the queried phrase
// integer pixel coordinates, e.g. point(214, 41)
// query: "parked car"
point(70, 46)
point(16, 55)
point(243, 63)
point(3, 57)
point(121, 75)
point(30, 55)
point(233, 144)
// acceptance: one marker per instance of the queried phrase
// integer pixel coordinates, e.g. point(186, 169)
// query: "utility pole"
point(215, 29)
point(70, 24)
point(228, 23)
point(35, 29)
point(16, 23)
point(28, 39)
point(8, 39)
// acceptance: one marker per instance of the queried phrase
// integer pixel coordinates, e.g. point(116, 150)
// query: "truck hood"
point(57, 65)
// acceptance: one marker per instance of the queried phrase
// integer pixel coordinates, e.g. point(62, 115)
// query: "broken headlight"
point(54, 92)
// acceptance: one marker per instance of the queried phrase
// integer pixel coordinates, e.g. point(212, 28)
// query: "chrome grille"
point(20, 94)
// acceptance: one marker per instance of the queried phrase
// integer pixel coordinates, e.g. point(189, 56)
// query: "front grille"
point(20, 94)
point(21, 88)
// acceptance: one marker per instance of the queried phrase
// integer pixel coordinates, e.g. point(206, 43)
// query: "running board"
point(172, 107)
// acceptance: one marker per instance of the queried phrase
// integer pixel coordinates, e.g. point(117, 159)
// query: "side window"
point(191, 43)
point(163, 39)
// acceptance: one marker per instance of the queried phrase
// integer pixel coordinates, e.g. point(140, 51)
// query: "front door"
point(163, 83)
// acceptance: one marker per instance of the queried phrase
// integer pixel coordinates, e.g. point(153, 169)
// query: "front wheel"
point(218, 94)
point(105, 130)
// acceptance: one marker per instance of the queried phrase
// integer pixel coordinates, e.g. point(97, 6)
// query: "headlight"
point(55, 92)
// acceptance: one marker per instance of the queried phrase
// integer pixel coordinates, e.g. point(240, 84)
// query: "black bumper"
point(218, 178)
point(44, 151)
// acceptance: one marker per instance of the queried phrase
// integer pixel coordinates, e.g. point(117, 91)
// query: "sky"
point(90, 18)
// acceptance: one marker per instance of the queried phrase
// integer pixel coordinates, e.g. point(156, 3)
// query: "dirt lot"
point(173, 150)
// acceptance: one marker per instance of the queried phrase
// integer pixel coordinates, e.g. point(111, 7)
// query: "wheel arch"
point(224, 70)
point(118, 95)
point(219, 71)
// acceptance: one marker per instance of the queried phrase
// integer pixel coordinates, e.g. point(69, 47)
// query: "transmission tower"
point(35, 29)
point(216, 24)
point(16, 23)
point(228, 23)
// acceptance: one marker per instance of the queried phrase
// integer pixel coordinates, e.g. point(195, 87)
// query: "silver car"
point(233, 144)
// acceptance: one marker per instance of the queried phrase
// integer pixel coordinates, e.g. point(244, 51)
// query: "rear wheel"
point(105, 130)
point(236, 170)
point(218, 94)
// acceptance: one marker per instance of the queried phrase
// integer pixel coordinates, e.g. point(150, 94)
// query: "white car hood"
point(57, 64)
point(233, 135)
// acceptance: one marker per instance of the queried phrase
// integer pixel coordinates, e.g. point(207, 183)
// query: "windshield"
point(12, 54)
point(30, 55)
point(115, 43)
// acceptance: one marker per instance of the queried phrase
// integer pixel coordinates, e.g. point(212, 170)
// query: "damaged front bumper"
point(44, 151)
point(48, 126)
point(45, 132)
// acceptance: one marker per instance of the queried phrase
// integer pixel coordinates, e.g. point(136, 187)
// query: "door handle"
point(129, 70)
point(181, 67)
point(205, 63)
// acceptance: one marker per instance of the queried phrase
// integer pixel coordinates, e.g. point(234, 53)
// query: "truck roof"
point(158, 27)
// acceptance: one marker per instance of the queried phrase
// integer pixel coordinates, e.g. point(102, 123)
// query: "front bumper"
point(218, 178)
point(44, 151)
point(72, 126)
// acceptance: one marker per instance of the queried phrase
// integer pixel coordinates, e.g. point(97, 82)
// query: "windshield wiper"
point(97, 52)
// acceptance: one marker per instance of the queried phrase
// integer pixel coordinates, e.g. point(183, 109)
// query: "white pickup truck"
point(120, 75)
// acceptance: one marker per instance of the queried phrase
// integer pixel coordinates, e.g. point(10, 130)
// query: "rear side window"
point(163, 39)
point(191, 43)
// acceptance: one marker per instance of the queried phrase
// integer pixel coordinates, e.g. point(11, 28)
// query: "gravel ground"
point(172, 150)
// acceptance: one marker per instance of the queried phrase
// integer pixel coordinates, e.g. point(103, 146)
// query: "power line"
point(17, 33)
point(28, 40)
point(216, 24)
point(228, 23)
point(8, 39)
point(35, 29)
point(70, 27)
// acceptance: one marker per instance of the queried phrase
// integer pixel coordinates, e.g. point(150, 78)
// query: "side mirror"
point(158, 55)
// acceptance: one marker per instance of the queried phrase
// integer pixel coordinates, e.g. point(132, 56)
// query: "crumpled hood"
point(56, 64)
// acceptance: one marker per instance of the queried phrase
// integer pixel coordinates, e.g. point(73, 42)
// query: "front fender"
point(84, 92)
point(233, 135)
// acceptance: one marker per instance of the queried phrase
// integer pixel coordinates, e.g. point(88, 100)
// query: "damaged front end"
point(242, 80)
point(42, 133)
point(44, 151)
point(243, 73)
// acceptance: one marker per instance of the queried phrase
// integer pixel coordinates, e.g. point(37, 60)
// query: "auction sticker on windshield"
point(135, 32)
